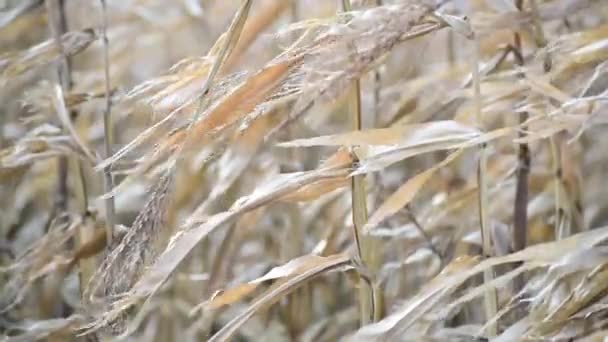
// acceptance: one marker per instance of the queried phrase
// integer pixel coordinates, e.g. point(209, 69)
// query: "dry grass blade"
point(62, 113)
point(405, 193)
point(342, 158)
point(254, 26)
point(244, 98)
point(34, 263)
point(185, 240)
point(417, 306)
point(382, 157)
point(16, 64)
point(425, 133)
point(290, 269)
point(454, 275)
point(48, 329)
point(280, 289)
point(229, 41)
point(221, 51)
point(112, 278)
point(40, 144)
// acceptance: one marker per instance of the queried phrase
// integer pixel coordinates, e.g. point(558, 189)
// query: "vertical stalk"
point(520, 210)
point(541, 42)
point(368, 297)
point(490, 301)
point(107, 125)
point(377, 86)
point(58, 26)
point(560, 229)
point(378, 296)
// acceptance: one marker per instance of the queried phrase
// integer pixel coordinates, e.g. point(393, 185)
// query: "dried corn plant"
point(304, 170)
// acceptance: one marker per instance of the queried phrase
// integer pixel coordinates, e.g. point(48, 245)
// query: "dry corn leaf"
point(280, 289)
point(17, 63)
point(405, 193)
point(342, 158)
point(425, 133)
point(412, 61)
point(290, 269)
point(398, 322)
point(187, 238)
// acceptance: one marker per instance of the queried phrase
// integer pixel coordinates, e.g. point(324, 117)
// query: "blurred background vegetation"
point(303, 170)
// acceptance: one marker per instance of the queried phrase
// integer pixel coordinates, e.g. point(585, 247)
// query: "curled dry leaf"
point(290, 269)
point(280, 289)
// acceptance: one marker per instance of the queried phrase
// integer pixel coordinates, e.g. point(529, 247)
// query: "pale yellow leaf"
point(404, 195)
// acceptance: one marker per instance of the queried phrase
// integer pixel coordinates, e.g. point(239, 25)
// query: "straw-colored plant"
point(306, 170)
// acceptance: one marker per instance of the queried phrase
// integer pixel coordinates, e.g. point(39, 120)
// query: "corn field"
point(303, 170)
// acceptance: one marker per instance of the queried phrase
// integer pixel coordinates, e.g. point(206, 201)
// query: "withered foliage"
point(303, 170)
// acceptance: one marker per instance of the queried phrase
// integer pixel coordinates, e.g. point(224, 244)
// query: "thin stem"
point(557, 182)
point(541, 42)
point(429, 242)
point(359, 212)
point(520, 212)
point(377, 86)
point(58, 26)
point(57, 21)
point(490, 301)
point(520, 207)
point(359, 204)
point(370, 295)
point(108, 128)
point(64, 117)
point(85, 191)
